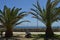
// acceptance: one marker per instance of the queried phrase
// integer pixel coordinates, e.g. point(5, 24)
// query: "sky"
point(26, 5)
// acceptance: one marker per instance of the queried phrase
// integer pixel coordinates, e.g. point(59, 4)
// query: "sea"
point(32, 27)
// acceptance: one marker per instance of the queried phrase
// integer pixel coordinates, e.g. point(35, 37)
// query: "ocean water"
point(34, 27)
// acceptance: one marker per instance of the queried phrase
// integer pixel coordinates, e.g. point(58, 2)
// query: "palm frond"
point(48, 3)
point(22, 22)
point(0, 11)
point(57, 12)
point(36, 11)
point(55, 3)
point(2, 20)
point(18, 18)
point(15, 12)
point(39, 19)
point(39, 8)
point(5, 7)
point(21, 13)
point(33, 14)
point(55, 19)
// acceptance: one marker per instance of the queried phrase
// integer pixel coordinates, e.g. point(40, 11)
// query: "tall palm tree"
point(47, 15)
point(10, 17)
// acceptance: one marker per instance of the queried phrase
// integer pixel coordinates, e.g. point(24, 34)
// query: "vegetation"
point(43, 35)
point(47, 15)
point(10, 17)
point(38, 36)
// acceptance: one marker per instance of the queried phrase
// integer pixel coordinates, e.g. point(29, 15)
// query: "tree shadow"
point(10, 38)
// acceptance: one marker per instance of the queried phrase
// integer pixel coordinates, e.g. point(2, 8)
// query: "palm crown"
point(10, 17)
point(50, 13)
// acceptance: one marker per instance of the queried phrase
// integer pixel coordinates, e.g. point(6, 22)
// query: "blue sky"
point(26, 5)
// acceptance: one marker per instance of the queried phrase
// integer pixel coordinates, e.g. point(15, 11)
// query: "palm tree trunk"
point(49, 32)
point(9, 32)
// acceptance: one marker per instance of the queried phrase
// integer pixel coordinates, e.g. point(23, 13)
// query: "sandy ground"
point(22, 35)
point(58, 33)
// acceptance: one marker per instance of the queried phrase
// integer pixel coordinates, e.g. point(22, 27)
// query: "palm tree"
point(47, 15)
point(10, 17)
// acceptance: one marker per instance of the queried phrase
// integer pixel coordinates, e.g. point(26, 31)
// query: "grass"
point(38, 36)
point(56, 36)
point(41, 36)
